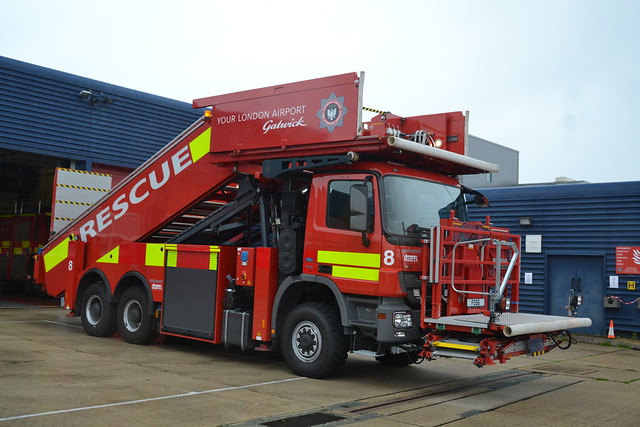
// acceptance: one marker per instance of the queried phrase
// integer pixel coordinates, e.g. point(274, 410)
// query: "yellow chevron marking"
point(111, 257)
point(199, 147)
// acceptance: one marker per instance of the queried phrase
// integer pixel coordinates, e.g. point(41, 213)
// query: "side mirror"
point(478, 198)
point(481, 200)
point(359, 207)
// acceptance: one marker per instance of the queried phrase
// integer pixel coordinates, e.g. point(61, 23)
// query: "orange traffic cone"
point(611, 333)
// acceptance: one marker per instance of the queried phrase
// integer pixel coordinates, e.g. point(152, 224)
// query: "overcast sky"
point(559, 81)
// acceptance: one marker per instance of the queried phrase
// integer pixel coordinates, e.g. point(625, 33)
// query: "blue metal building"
point(52, 119)
point(52, 113)
point(575, 240)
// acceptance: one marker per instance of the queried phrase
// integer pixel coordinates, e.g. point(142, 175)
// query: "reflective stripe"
point(199, 147)
point(456, 346)
point(172, 254)
point(111, 257)
point(213, 261)
point(355, 259)
point(154, 255)
point(213, 257)
point(355, 273)
point(21, 248)
point(56, 255)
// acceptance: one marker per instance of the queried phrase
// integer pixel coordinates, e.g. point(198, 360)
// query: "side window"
point(338, 212)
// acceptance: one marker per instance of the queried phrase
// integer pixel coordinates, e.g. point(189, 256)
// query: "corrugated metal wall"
point(42, 112)
point(573, 219)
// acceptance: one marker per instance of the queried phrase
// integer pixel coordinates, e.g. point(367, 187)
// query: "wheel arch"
point(129, 280)
point(89, 277)
point(303, 288)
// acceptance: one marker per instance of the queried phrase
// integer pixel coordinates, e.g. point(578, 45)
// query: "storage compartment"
point(189, 302)
point(236, 328)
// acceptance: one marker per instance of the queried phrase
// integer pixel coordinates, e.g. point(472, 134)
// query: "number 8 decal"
point(389, 257)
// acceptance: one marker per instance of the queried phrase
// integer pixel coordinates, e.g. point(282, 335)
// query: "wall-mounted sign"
point(533, 243)
point(628, 259)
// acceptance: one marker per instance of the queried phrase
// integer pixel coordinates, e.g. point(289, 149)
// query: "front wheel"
point(135, 322)
point(314, 344)
point(98, 314)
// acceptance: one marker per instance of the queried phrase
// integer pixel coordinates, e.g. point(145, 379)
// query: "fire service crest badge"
point(332, 112)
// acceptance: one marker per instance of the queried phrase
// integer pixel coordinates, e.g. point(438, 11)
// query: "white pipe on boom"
point(440, 154)
point(554, 323)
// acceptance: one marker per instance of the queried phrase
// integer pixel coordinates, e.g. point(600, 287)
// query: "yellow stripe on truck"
point(154, 255)
point(213, 257)
point(456, 346)
point(352, 265)
point(172, 255)
point(56, 255)
point(355, 273)
point(199, 147)
point(355, 259)
point(111, 257)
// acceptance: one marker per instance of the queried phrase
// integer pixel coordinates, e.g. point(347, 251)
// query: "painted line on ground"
point(151, 399)
point(41, 321)
point(62, 323)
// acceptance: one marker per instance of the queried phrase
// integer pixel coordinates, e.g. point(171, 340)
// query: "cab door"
point(350, 258)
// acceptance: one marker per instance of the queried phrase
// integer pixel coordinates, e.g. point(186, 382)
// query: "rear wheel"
point(135, 322)
point(98, 314)
point(314, 344)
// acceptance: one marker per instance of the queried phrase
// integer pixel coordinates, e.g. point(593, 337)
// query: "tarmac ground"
point(52, 373)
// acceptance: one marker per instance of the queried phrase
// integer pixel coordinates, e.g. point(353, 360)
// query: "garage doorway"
point(577, 274)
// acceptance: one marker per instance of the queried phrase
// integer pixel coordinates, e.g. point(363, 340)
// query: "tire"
point(135, 322)
point(401, 359)
point(98, 314)
point(313, 342)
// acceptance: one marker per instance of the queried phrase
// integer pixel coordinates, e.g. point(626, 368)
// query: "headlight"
point(402, 319)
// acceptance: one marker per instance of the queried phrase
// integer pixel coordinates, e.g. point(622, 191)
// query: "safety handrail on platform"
point(500, 286)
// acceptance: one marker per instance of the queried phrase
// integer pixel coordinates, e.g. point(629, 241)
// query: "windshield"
point(412, 205)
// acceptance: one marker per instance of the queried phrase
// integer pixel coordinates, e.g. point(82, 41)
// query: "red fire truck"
point(280, 220)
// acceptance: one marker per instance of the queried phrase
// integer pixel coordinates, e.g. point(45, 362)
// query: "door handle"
point(573, 281)
point(579, 279)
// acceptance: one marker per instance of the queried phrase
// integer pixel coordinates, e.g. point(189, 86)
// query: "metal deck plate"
point(506, 319)
point(514, 323)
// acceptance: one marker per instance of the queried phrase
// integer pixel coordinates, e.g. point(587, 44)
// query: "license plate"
point(475, 302)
